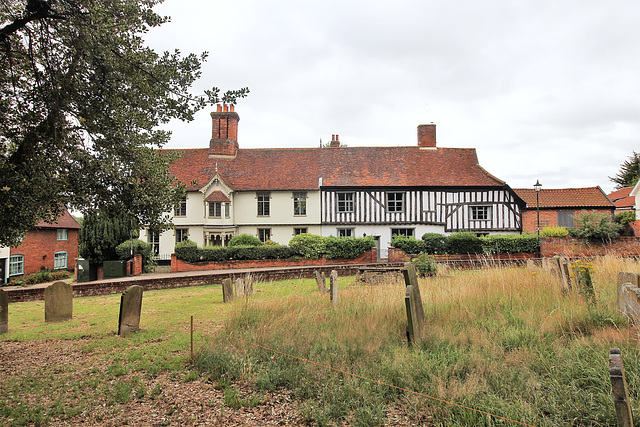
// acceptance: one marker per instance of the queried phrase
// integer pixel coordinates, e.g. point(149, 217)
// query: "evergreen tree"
point(629, 172)
point(102, 232)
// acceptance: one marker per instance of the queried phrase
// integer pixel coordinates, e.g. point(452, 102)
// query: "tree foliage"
point(629, 172)
point(81, 99)
point(102, 232)
point(596, 226)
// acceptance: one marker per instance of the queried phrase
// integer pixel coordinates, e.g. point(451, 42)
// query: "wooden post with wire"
point(619, 389)
point(413, 305)
point(192, 337)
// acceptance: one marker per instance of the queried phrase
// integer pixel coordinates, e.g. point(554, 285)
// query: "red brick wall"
point(398, 255)
point(548, 218)
point(39, 246)
point(177, 265)
point(621, 246)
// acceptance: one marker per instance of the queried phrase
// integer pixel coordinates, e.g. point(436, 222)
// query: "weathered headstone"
point(130, 309)
point(561, 269)
point(248, 284)
point(4, 312)
point(333, 287)
point(413, 305)
point(321, 281)
point(239, 287)
point(58, 302)
point(619, 389)
point(629, 296)
point(227, 290)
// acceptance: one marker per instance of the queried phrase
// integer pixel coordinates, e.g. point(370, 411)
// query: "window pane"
point(62, 234)
point(480, 213)
point(16, 265)
point(345, 202)
point(181, 209)
point(263, 204)
point(60, 260)
point(300, 203)
point(395, 202)
point(264, 234)
point(566, 219)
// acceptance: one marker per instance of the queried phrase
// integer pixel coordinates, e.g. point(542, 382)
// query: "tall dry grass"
point(506, 341)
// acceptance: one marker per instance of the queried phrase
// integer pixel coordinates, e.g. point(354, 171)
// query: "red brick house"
point(559, 206)
point(53, 246)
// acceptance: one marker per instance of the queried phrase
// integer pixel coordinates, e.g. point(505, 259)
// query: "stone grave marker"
point(130, 309)
point(321, 281)
point(58, 302)
point(248, 284)
point(4, 312)
point(561, 269)
point(629, 296)
point(239, 287)
point(227, 290)
point(413, 305)
point(619, 389)
point(333, 287)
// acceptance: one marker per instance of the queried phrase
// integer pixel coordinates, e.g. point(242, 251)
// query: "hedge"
point(235, 253)
point(467, 243)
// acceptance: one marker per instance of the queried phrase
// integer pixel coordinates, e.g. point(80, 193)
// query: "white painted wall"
point(5, 253)
point(281, 209)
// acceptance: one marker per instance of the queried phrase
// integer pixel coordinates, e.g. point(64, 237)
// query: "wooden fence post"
point(619, 389)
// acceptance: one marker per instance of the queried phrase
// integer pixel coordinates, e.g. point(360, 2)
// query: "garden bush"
point(308, 245)
point(425, 265)
point(139, 247)
point(434, 243)
point(596, 226)
point(464, 243)
point(234, 253)
point(408, 244)
point(347, 247)
point(509, 243)
point(554, 232)
point(245, 240)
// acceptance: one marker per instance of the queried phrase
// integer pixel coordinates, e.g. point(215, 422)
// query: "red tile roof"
point(64, 221)
point(217, 196)
point(301, 168)
point(621, 198)
point(589, 197)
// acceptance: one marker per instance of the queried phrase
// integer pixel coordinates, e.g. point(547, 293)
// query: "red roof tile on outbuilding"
point(621, 198)
point(588, 197)
point(64, 221)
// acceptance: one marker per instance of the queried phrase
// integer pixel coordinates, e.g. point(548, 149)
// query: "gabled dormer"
point(217, 196)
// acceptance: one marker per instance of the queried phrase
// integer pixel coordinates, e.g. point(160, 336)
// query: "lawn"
point(498, 341)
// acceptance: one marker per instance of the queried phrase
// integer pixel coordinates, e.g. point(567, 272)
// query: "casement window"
point(153, 238)
point(182, 234)
point(16, 265)
point(264, 234)
point(346, 232)
point(480, 213)
point(406, 232)
point(264, 204)
point(300, 203)
point(297, 231)
point(227, 210)
point(62, 234)
point(395, 202)
point(345, 202)
point(566, 219)
point(181, 208)
point(215, 209)
point(59, 260)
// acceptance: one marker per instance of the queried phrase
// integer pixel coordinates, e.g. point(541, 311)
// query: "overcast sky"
point(544, 90)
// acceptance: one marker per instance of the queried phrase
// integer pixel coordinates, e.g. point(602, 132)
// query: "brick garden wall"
point(178, 265)
point(548, 218)
point(567, 246)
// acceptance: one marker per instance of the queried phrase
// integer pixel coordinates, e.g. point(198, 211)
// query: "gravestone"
point(130, 309)
point(4, 312)
point(248, 284)
point(413, 305)
point(333, 287)
point(619, 389)
point(321, 281)
point(561, 269)
point(239, 287)
point(227, 290)
point(629, 296)
point(58, 302)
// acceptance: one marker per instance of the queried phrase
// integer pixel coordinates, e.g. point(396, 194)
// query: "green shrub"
point(624, 219)
point(596, 226)
point(235, 253)
point(123, 250)
point(187, 250)
point(425, 265)
point(347, 247)
point(434, 243)
point(464, 243)
point(554, 232)
point(510, 243)
point(245, 240)
point(408, 244)
point(308, 245)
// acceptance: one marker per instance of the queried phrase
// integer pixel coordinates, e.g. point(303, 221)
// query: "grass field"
point(503, 341)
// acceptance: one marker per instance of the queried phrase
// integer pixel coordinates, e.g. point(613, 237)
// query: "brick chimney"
point(427, 135)
point(224, 138)
point(335, 141)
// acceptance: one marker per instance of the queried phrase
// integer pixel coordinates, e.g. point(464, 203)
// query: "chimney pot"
point(219, 109)
point(232, 107)
point(226, 107)
point(335, 141)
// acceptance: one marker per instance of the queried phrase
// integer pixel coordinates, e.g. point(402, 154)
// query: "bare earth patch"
point(166, 399)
